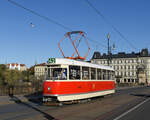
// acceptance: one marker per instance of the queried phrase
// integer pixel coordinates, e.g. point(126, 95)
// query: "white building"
point(40, 69)
point(20, 67)
point(129, 68)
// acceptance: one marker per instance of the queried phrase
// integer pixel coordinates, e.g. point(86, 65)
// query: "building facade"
point(40, 69)
point(20, 67)
point(129, 67)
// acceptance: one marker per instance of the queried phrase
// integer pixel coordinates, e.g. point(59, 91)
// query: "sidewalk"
point(4, 100)
point(128, 87)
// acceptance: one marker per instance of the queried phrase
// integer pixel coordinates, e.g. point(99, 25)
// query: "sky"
point(22, 43)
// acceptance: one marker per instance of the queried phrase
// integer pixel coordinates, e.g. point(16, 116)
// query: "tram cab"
point(68, 80)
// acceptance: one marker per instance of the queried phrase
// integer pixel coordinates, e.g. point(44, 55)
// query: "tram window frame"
point(104, 74)
point(93, 73)
point(113, 75)
point(74, 72)
point(85, 73)
point(108, 74)
point(57, 73)
point(99, 74)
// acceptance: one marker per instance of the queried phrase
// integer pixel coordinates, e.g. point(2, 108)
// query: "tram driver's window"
point(74, 72)
point(59, 73)
point(85, 73)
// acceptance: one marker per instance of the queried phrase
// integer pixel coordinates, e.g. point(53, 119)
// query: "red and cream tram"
point(69, 80)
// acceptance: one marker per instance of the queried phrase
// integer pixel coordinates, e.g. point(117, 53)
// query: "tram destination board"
point(51, 60)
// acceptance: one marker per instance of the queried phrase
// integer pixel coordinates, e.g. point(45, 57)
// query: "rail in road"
point(107, 108)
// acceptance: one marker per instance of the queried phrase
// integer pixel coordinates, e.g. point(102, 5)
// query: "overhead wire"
point(107, 21)
point(37, 14)
point(49, 19)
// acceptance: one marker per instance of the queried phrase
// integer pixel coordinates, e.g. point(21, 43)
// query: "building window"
point(130, 61)
point(120, 67)
point(119, 73)
point(134, 61)
point(130, 73)
point(128, 67)
point(139, 60)
point(127, 73)
point(115, 73)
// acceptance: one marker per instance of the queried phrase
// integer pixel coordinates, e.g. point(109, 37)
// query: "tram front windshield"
point(57, 74)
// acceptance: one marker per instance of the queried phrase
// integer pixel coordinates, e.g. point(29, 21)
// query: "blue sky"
point(23, 44)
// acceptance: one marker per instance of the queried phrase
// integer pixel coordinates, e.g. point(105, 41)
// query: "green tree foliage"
point(13, 77)
point(9, 77)
point(2, 73)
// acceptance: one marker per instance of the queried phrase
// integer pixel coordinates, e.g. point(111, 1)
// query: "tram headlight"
point(48, 88)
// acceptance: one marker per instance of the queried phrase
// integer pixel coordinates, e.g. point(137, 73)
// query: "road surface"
point(125, 104)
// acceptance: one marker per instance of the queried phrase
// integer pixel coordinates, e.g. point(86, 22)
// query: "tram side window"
point(113, 75)
point(99, 74)
point(85, 73)
point(74, 72)
point(109, 75)
point(104, 75)
point(93, 73)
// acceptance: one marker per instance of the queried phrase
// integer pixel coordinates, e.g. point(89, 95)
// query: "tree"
point(3, 68)
point(12, 77)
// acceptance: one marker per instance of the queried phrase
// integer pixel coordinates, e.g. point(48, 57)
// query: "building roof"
point(15, 64)
point(143, 53)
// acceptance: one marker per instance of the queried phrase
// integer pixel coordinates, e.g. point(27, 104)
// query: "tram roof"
point(66, 61)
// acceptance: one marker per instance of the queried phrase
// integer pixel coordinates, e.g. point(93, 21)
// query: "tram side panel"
point(59, 88)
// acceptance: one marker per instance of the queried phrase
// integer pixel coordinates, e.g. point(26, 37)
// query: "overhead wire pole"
point(48, 19)
point(113, 27)
point(108, 38)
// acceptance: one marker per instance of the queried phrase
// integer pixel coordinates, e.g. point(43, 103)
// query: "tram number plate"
point(51, 60)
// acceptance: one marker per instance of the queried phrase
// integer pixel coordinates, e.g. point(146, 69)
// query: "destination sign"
point(51, 60)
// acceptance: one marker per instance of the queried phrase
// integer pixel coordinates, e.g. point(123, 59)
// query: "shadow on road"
point(35, 98)
point(141, 95)
point(18, 101)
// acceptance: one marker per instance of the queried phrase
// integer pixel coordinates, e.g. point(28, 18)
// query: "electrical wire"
point(37, 14)
point(49, 19)
point(113, 27)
